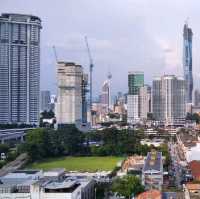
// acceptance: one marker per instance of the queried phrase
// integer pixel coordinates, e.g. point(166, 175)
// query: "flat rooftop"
point(153, 161)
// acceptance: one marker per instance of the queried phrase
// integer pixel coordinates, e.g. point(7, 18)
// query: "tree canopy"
point(127, 186)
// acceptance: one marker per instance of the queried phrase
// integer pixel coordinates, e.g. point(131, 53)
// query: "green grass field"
point(90, 164)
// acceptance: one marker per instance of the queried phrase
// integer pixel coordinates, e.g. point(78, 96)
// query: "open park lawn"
point(89, 164)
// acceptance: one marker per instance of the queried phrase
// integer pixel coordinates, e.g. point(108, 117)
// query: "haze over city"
point(124, 35)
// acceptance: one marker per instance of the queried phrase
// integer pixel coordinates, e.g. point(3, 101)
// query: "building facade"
point(45, 101)
point(144, 101)
point(71, 96)
point(168, 99)
point(187, 61)
point(19, 68)
point(133, 109)
point(135, 82)
point(197, 97)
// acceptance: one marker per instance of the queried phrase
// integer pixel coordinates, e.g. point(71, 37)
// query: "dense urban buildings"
point(187, 62)
point(71, 94)
point(135, 82)
point(45, 101)
point(119, 104)
point(168, 99)
point(152, 173)
point(19, 68)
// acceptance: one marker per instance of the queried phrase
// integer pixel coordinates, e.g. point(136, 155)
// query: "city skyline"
point(158, 44)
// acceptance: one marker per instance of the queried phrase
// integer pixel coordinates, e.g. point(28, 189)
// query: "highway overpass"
point(13, 134)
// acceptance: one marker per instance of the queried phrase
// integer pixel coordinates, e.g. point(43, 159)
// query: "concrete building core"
point(71, 84)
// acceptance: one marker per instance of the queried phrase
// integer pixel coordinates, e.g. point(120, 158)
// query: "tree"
point(72, 140)
point(37, 144)
point(47, 114)
point(4, 148)
point(127, 186)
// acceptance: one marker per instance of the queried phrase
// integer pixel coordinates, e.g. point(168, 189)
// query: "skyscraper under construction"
point(71, 106)
point(187, 61)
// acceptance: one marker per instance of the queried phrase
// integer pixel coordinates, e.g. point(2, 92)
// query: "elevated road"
point(13, 134)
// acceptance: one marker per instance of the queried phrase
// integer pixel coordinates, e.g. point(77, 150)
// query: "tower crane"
point(91, 70)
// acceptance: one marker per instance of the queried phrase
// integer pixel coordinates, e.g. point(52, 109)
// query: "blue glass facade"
point(187, 61)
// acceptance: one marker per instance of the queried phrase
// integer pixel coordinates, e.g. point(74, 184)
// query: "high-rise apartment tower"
point(168, 96)
point(19, 68)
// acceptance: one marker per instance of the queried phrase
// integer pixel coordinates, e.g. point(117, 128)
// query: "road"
point(177, 169)
point(14, 165)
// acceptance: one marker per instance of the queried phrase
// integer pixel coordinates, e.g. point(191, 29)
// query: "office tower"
point(144, 101)
point(105, 95)
point(168, 96)
point(45, 101)
point(135, 82)
point(19, 68)
point(71, 94)
point(187, 61)
point(197, 97)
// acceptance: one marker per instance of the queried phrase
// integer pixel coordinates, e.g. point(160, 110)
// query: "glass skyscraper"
point(135, 82)
point(19, 68)
point(187, 61)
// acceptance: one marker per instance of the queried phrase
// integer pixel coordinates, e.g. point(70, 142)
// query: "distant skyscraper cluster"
point(169, 96)
point(19, 68)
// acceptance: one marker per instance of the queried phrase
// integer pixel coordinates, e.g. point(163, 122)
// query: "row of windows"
point(19, 32)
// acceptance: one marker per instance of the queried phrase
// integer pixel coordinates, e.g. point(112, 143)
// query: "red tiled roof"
point(195, 169)
point(152, 194)
point(192, 186)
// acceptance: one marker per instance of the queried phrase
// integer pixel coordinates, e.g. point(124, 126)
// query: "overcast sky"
point(124, 35)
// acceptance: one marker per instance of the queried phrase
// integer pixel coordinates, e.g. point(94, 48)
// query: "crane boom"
point(89, 52)
point(91, 69)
